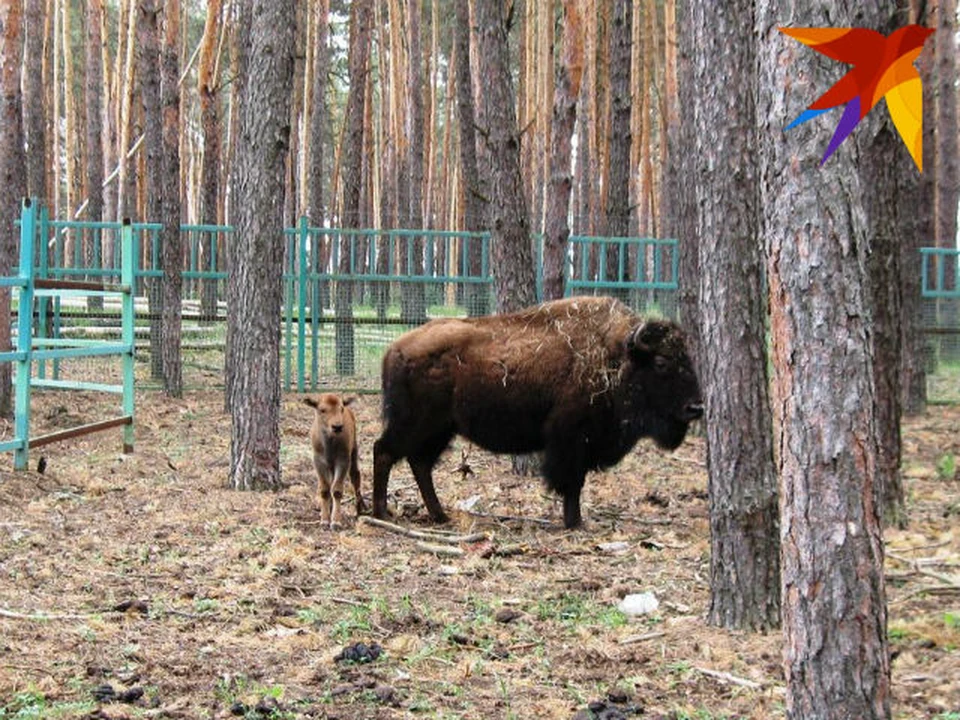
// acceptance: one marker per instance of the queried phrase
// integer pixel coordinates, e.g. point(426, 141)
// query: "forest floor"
point(137, 586)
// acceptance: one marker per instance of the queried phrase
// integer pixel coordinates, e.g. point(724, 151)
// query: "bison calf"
point(334, 440)
point(581, 379)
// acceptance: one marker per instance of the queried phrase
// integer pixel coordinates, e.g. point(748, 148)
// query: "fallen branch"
point(947, 579)
point(933, 590)
point(641, 638)
point(422, 535)
point(727, 677)
point(41, 617)
point(440, 549)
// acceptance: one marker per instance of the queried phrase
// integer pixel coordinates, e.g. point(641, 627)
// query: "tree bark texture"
point(171, 245)
point(414, 311)
point(264, 135)
point(507, 218)
point(682, 216)
point(744, 522)
point(618, 123)
point(12, 172)
point(473, 221)
point(351, 164)
point(148, 60)
point(556, 231)
point(209, 92)
point(836, 658)
point(34, 123)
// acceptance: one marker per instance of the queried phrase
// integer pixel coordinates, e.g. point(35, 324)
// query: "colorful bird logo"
point(882, 68)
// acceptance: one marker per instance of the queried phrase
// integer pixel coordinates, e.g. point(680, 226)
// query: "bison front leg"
point(383, 461)
point(355, 480)
point(323, 499)
point(423, 474)
point(336, 521)
point(562, 469)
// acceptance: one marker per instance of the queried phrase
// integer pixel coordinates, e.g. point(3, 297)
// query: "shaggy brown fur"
point(334, 440)
point(581, 379)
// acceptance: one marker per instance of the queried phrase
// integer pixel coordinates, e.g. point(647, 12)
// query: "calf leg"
point(323, 498)
point(337, 491)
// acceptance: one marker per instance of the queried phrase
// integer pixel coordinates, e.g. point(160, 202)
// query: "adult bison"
point(581, 379)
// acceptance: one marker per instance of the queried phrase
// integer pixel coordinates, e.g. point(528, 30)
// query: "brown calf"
point(334, 440)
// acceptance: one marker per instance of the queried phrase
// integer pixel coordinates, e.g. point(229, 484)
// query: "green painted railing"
point(940, 273)
point(34, 346)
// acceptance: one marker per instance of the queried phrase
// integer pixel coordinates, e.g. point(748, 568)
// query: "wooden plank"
point(80, 430)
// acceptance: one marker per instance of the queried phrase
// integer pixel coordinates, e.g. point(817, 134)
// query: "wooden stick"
point(422, 535)
point(641, 638)
point(727, 677)
point(40, 617)
point(948, 579)
point(440, 549)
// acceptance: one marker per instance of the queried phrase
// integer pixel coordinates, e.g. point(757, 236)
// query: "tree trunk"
point(744, 537)
point(618, 191)
point(836, 655)
point(171, 244)
point(148, 42)
point(13, 175)
point(476, 295)
point(566, 91)
point(681, 214)
point(352, 168)
point(918, 232)
point(34, 123)
point(209, 91)
point(414, 311)
point(92, 247)
point(947, 165)
point(507, 217)
point(264, 135)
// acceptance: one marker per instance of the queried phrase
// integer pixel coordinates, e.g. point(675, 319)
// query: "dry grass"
point(149, 574)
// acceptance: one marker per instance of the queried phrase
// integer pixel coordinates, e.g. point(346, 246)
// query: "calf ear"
point(350, 400)
point(312, 402)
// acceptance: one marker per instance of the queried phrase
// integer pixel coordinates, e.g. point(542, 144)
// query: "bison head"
point(663, 388)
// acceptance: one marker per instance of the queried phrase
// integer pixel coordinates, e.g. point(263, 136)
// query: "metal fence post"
point(28, 226)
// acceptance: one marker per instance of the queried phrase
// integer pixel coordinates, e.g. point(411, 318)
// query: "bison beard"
point(581, 379)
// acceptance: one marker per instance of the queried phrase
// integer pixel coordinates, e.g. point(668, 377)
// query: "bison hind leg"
point(422, 463)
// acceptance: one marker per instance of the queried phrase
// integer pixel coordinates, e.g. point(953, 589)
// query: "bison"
point(333, 436)
point(581, 379)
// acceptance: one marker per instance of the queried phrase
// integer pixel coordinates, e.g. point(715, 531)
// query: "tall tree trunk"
point(918, 232)
point(414, 310)
point(476, 294)
point(836, 655)
point(316, 173)
point(947, 166)
point(566, 91)
point(618, 191)
point(171, 244)
point(92, 246)
point(352, 169)
point(13, 175)
point(148, 42)
point(258, 268)
point(209, 92)
point(34, 123)
point(128, 87)
point(681, 213)
point(744, 530)
point(507, 217)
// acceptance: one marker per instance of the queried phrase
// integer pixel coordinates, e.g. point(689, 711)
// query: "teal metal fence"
point(36, 345)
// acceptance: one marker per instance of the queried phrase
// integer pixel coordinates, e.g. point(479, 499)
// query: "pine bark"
point(34, 123)
point(148, 58)
point(413, 311)
point(264, 136)
point(744, 529)
point(476, 295)
point(93, 79)
point(506, 211)
point(836, 655)
point(566, 91)
point(12, 172)
point(352, 173)
point(171, 244)
point(619, 139)
point(209, 92)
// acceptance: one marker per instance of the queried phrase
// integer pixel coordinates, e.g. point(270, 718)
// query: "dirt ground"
point(139, 587)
